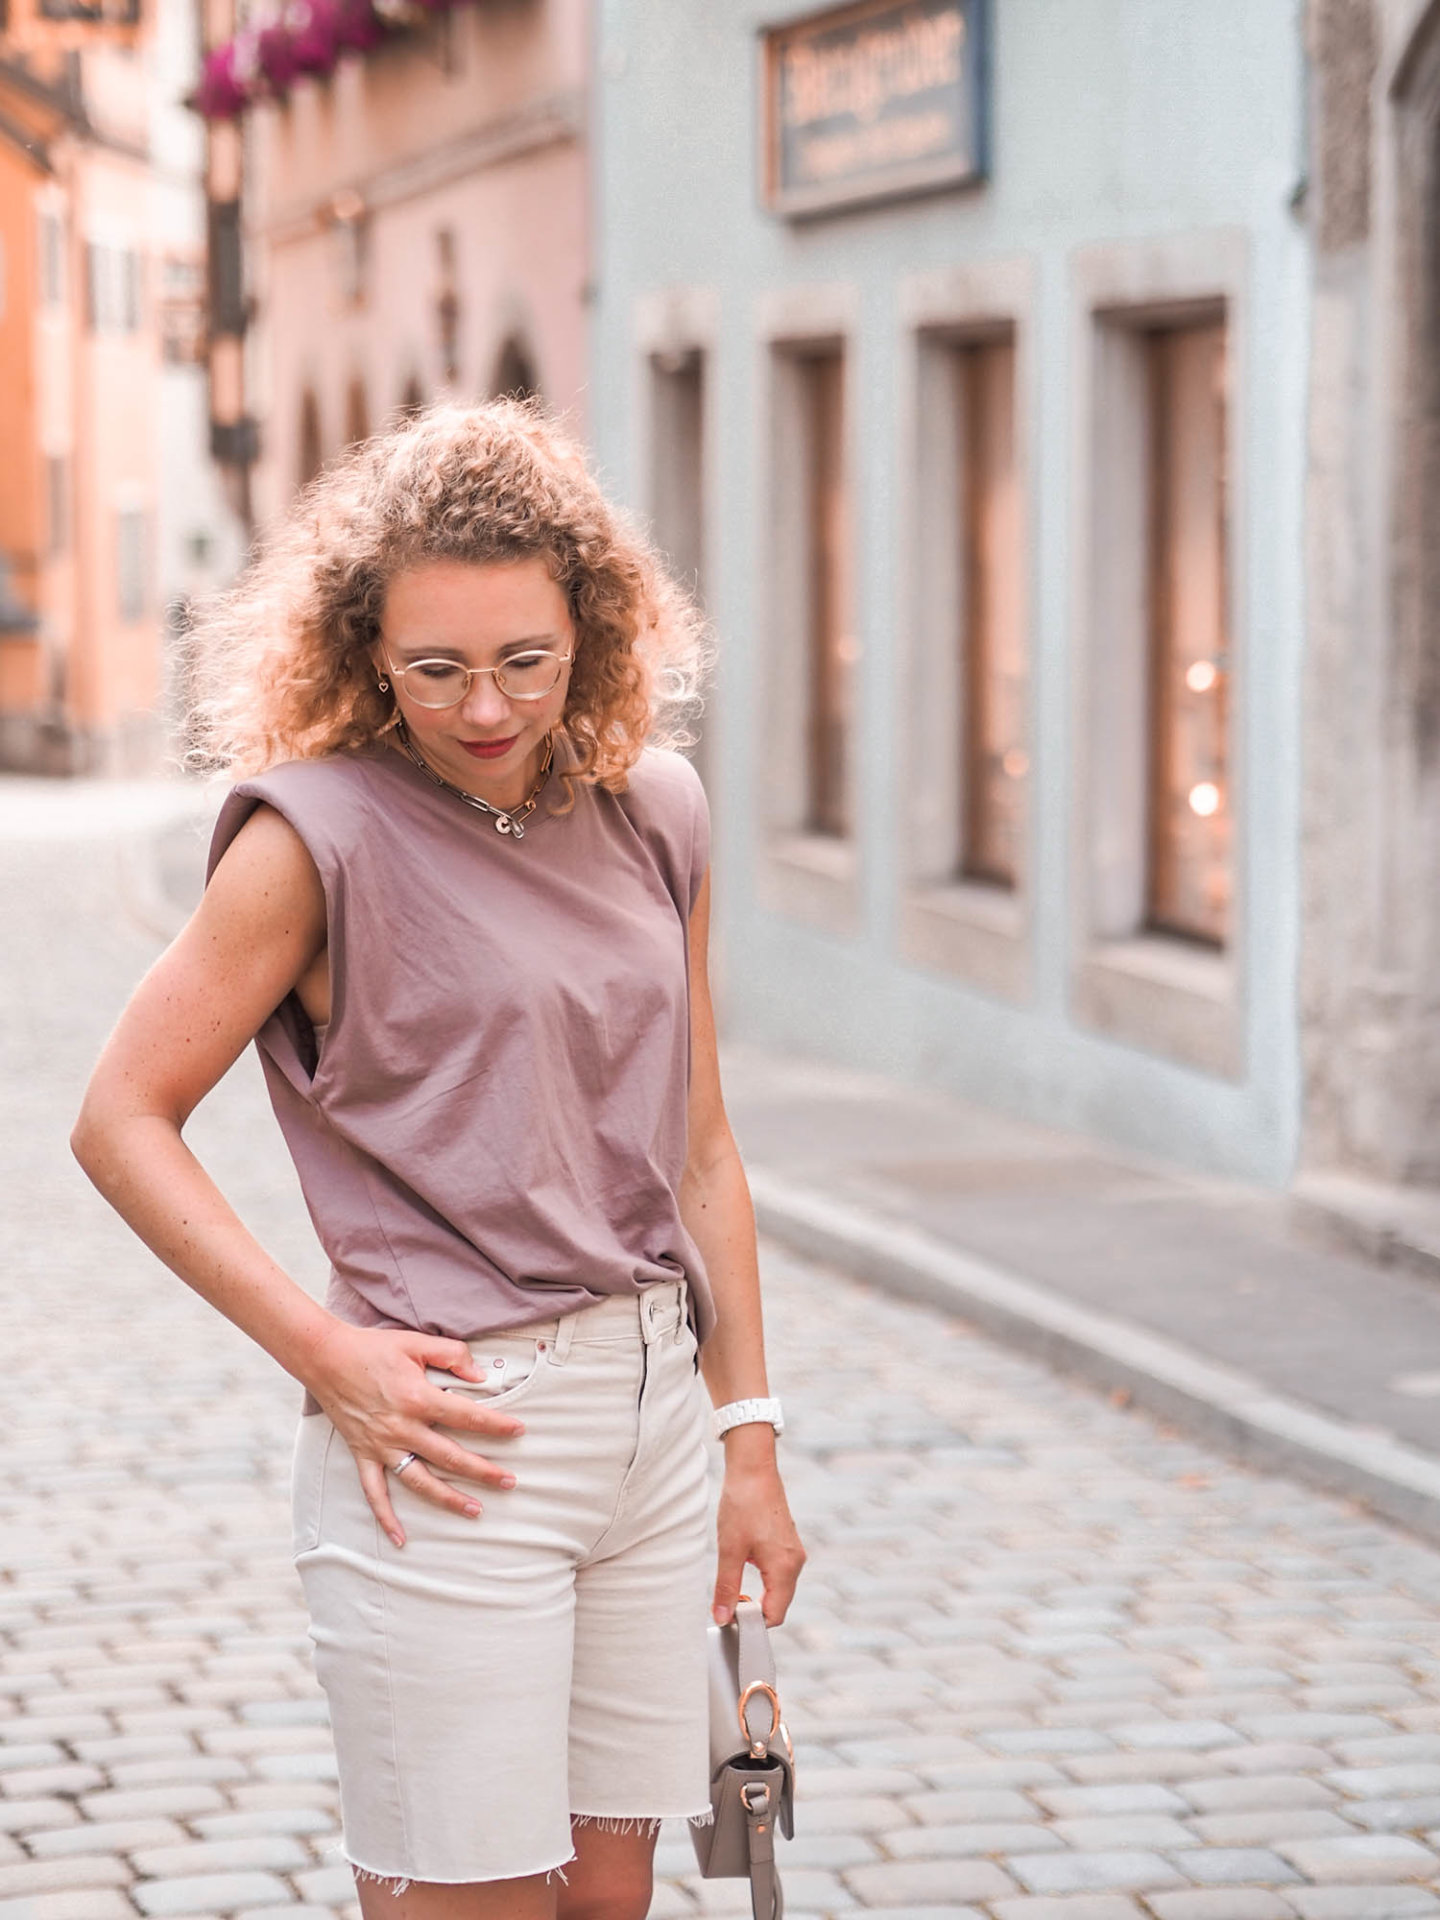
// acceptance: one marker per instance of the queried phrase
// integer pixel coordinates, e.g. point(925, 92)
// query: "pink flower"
point(221, 93)
point(314, 35)
point(358, 28)
point(276, 54)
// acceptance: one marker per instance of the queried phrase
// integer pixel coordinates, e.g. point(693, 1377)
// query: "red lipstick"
point(487, 749)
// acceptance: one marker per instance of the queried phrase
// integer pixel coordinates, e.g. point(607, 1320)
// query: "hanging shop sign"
point(33, 25)
point(873, 100)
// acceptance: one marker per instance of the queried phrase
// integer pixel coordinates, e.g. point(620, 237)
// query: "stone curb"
point(1233, 1411)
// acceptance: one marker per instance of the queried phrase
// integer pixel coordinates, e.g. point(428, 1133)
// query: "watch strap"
point(744, 1413)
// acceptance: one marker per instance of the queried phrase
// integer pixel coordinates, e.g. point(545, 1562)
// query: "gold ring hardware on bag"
point(759, 1746)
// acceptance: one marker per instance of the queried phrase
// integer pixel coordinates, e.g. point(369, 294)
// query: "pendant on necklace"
point(504, 824)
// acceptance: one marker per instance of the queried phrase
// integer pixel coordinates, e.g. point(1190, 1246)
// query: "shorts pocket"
point(313, 1439)
point(514, 1364)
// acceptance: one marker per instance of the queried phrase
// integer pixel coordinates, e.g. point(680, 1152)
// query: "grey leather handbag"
point(752, 1764)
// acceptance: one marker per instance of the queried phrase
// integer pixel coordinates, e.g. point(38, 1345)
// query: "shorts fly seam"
point(613, 1522)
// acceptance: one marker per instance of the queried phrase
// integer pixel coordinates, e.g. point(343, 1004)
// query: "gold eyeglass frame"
point(472, 674)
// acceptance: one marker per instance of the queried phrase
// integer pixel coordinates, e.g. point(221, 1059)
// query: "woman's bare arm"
point(754, 1520)
point(260, 924)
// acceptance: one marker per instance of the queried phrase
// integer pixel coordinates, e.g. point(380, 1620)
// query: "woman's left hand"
point(755, 1529)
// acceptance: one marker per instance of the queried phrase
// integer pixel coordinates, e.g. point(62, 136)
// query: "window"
point(677, 474)
point(963, 675)
point(994, 761)
point(51, 235)
point(1160, 662)
point(351, 235)
point(677, 397)
point(97, 285)
point(226, 268)
point(112, 287)
point(129, 269)
point(115, 13)
point(181, 306)
point(515, 375)
point(57, 504)
point(311, 455)
point(1188, 881)
point(447, 305)
point(130, 563)
point(829, 646)
point(357, 412)
point(811, 850)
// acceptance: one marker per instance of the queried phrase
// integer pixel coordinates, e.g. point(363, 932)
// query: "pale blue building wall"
point(1111, 119)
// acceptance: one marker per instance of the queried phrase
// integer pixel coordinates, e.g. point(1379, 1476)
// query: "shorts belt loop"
point(564, 1337)
point(657, 1302)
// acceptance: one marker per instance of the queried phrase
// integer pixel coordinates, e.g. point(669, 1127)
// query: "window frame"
point(676, 334)
point(948, 922)
point(132, 519)
point(1168, 995)
point(811, 877)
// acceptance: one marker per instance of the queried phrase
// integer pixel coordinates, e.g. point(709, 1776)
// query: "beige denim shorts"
point(495, 1678)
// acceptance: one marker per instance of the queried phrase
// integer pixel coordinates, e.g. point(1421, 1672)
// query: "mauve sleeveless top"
point(494, 1130)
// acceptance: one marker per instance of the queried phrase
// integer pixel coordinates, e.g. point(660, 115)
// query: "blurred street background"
point(1043, 398)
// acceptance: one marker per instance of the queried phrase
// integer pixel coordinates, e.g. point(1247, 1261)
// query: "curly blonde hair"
point(283, 662)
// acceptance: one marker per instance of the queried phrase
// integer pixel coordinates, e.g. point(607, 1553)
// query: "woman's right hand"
point(371, 1382)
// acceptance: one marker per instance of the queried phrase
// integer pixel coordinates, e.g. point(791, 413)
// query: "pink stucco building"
point(80, 359)
point(412, 219)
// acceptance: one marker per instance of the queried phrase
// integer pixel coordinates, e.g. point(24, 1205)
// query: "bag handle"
point(755, 1665)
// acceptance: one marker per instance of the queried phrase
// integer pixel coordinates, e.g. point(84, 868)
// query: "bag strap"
point(755, 1665)
point(757, 1797)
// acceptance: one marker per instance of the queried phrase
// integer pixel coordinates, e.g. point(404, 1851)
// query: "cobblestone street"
point(1050, 1662)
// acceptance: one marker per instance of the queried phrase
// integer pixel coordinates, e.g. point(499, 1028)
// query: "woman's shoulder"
point(317, 797)
point(318, 778)
point(663, 777)
point(666, 801)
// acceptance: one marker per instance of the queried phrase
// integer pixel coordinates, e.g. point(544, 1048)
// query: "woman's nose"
point(485, 704)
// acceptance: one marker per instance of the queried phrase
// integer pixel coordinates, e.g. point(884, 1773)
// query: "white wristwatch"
point(744, 1413)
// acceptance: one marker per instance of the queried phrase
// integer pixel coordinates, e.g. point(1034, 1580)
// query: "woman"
point(462, 905)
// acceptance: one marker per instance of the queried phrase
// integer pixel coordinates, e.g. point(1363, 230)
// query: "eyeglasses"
point(445, 683)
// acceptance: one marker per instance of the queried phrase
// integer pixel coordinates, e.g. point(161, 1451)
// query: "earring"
point(384, 684)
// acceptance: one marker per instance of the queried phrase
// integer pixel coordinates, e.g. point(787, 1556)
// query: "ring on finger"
point(405, 1460)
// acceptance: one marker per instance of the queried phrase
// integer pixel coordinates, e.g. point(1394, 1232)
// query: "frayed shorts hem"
point(398, 1883)
point(641, 1822)
point(646, 1823)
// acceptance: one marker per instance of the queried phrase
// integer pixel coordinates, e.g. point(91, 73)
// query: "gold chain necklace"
point(510, 823)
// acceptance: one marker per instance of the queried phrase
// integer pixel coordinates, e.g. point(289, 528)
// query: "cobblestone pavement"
point(1050, 1662)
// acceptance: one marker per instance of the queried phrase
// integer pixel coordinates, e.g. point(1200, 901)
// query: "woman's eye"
point(435, 670)
point(523, 662)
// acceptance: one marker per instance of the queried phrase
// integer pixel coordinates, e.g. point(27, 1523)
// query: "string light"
point(1201, 676)
point(1205, 799)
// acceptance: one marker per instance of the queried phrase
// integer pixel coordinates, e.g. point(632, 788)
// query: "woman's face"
point(475, 615)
